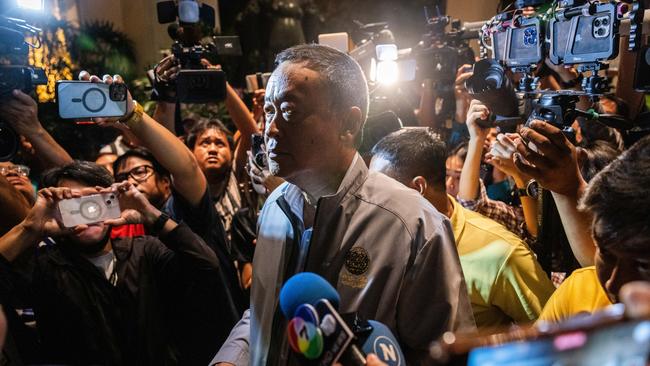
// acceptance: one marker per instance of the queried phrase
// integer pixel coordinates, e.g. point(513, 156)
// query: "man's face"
point(95, 233)
point(454, 167)
point(212, 152)
point(140, 173)
point(302, 133)
point(616, 267)
point(18, 176)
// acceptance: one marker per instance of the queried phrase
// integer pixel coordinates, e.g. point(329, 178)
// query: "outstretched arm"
point(171, 153)
point(21, 112)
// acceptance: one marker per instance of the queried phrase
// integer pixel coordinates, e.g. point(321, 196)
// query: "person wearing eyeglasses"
point(18, 176)
point(168, 175)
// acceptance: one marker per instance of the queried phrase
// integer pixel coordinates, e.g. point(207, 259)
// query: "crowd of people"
point(429, 236)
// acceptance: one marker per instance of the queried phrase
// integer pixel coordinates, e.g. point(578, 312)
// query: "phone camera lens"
point(601, 32)
point(597, 23)
point(108, 202)
point(605, 21)
point(112, 196)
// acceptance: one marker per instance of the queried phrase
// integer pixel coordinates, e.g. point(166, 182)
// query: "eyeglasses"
point(19, 170)
point(139, 174)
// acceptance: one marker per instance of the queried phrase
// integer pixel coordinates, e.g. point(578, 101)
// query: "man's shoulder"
point(490, 230)
point(390, 197)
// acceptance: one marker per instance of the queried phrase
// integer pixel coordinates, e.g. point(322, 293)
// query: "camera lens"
point(605, 21)
point(601, 32)
point(108, 202)
point(112, 196)
point(597, 23)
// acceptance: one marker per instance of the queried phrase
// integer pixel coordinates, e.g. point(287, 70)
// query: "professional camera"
point(195, 83)
point(439, 55)
point(490, 85)
point(13, 47)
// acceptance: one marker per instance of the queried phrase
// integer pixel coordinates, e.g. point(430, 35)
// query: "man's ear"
point(351, 124)
point(419, 184)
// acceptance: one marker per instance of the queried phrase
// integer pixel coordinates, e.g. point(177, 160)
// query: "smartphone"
point(83, 99)
point(257, 150)
point(89, 209)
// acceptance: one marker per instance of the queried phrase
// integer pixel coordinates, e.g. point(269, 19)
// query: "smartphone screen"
point(83, 99)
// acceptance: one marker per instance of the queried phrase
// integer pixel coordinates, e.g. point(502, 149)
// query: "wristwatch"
point(135, 117)
point(160, 222)
point(531, 190)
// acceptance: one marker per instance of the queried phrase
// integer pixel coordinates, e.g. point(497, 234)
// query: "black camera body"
point(21, 77)
point(195, 83)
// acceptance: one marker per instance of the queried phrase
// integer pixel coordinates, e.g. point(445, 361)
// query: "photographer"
point(222, 163)
point(545, 154)
point(103, 301)
point(506, 283)
point(21, 112)
point(614, 208)
point(471, 192)
point(171, 178)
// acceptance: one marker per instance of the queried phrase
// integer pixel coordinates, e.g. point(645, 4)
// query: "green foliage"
point(101, 49)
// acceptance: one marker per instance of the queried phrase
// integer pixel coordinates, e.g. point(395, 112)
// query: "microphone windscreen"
point(305, 288)
point(383, 344)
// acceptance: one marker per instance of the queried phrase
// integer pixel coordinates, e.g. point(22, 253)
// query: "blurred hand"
point(546, 155)
point(462, 96)
point(135, 207)
point(167, 69)
point(247, 276)
point(107, 79)
point(371, 360)
point(21, 112)
point(261, 177)
point(477, 110)
point(501, 156)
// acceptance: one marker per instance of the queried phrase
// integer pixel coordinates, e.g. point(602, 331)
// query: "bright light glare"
point(30, 4)
point(387, 72)
point(386, 52)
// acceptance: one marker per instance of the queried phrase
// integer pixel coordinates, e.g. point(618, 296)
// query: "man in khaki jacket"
point(388, 252)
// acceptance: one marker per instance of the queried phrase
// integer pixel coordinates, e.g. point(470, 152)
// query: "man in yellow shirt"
point(580, 293)
point(618, 204)
point(506, 283)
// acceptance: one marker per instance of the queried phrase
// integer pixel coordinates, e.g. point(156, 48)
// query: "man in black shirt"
point(107, 301)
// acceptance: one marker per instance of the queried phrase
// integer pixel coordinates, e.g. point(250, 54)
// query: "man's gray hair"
point(341, 74)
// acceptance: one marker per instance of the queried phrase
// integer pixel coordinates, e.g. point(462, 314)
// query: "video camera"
point(195, 82)
point(441, 50)
point(14, 49)
point(581, 33)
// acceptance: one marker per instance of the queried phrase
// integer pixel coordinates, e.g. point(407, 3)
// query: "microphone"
point(382, 343)
point(305, 288)
point(317, 332)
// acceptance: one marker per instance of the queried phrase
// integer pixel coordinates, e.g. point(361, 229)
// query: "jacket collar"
point(457, 219)
point(353, 179)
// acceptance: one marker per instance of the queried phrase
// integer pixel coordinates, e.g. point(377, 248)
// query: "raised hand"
point(544, 153)
point(108, 79)
point(135, 207)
